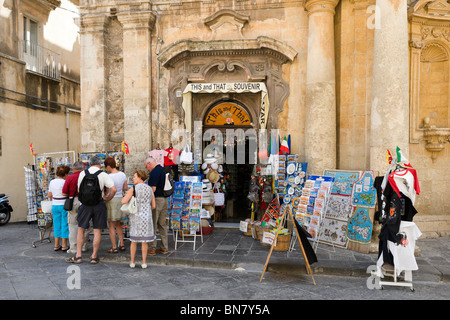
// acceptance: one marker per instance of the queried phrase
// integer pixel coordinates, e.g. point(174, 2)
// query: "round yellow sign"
point(227, 114)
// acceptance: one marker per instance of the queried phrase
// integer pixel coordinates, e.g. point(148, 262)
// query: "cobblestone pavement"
point(28, 273)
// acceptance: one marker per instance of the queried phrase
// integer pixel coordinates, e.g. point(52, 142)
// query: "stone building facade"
point(347, 79)
point(39, 88)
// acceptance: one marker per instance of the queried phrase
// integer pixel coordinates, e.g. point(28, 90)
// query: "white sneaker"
point(144, 266)
point(132, 265)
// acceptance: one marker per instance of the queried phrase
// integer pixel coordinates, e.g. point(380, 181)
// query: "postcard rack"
point(39, 176)
point(186, 212)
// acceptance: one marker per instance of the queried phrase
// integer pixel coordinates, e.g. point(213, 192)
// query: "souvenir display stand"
point(117, 155)
point(42, 172)
point(311, 206)
point(186, 212)
point(287, 176)
point(396, 192)
point(349, 210)
point(30, 191)
point(45, 222)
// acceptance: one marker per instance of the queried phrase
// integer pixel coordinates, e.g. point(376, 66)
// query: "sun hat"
point(213, 176)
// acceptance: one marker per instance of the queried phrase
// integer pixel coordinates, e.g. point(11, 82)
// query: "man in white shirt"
point(97, 213)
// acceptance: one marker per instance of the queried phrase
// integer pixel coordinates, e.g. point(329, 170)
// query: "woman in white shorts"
point(113, 206)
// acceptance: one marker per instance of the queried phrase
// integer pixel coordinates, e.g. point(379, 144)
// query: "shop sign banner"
point(224, 87)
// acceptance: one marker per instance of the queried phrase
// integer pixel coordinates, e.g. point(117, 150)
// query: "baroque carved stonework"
point(251, 60)
point(429, 44)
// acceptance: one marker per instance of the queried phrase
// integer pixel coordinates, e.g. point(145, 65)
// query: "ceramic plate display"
point(291, 179)
point(291, 190)
point(290, 168)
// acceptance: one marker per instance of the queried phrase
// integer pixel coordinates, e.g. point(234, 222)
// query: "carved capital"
point(137, 20)
point(91, 23)
point(314, 6)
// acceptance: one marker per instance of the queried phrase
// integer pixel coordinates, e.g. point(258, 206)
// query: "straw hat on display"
point(213, 176)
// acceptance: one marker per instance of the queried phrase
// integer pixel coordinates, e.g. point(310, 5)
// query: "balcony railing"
point(40, 60)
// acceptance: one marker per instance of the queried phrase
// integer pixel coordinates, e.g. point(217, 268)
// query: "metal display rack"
point(40, 174)
point(195, 196)
point(117, 155)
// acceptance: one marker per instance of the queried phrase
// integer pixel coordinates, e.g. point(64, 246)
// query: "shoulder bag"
point(131, 206)
point(68, 204)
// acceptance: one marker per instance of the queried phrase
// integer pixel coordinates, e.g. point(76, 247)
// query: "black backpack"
point(90, 192)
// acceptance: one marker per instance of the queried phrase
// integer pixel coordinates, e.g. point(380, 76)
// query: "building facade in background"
point(39, 88)
point(347, 79)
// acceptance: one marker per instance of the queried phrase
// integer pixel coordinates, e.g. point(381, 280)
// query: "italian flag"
point(284, 146)
point(401, 158)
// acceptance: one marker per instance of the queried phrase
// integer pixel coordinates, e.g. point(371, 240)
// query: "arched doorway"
point(228, 134)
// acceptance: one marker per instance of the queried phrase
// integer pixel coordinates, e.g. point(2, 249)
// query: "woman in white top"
point(60, 222)
point(113, 206)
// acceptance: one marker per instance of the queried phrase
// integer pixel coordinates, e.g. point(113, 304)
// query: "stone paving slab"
point(225, 248)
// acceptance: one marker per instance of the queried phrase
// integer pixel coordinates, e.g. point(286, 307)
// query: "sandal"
point(74, 259)
point(64, 249)
point(95, 260)
point(113, 250)
point(122, 248)
point(57, 248)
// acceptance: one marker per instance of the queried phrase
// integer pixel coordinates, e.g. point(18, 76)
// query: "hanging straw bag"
point(219, 197)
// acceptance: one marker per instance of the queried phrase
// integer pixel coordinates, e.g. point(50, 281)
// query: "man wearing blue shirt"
point(159, 215)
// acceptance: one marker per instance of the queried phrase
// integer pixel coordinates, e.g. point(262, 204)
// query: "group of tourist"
point(97, 206)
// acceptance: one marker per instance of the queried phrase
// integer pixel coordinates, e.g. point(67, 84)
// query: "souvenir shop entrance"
point(228, 139)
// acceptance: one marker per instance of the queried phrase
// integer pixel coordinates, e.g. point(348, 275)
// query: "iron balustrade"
point(40, 59)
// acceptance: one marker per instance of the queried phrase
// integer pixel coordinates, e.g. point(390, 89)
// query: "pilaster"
point(137, 29)
point(92, 77)
point(389, 120)
point(320, 129)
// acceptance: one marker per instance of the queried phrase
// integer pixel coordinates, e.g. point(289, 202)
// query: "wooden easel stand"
point(308, 267)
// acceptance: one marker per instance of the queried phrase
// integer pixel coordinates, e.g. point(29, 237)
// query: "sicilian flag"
point(401, 157)
point(388, 157)
point(31, 150)
point(125, 148)
point(284, 146)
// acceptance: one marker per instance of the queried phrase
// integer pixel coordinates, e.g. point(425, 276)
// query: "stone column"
point(137, 28)
point(92, 77)
point(389, 118)
point(320, 127)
